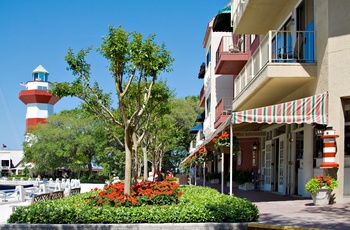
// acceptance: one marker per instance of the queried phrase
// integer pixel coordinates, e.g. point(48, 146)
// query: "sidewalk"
point(285, 210)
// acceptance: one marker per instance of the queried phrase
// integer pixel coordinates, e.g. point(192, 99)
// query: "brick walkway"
point(285, 210)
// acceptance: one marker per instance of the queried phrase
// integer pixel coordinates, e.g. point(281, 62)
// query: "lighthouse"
point(37, 98)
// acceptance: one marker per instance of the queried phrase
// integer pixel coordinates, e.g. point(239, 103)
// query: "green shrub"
point(244, 176)
point(197, 204)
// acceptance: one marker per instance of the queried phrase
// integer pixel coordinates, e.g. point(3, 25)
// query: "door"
point(268, 166)
point(280, 167)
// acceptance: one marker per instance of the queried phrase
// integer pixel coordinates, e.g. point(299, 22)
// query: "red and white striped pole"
point(329, 148)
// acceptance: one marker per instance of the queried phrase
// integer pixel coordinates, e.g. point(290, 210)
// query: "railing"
point(224, 107)
point(237, 11)
point(207, 124)
point(207, 75)
point(277, 47)
point(231, 44)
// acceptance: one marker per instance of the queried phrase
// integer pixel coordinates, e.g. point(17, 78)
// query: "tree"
point(70, 139)
point(181, 119)
point(169, 135)
point(131, 60)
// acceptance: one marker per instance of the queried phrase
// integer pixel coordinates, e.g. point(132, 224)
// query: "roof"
point(40, 69)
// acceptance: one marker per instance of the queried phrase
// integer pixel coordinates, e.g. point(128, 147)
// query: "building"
point(10, 161)
point(290, 84)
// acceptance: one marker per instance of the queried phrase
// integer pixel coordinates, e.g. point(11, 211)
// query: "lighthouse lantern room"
point(38, 98)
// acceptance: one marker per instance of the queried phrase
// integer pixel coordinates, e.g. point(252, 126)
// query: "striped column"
point(329, 148)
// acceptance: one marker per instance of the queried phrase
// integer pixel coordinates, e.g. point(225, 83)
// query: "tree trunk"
point(135, 147)
point(145, 164)
point(128, 161)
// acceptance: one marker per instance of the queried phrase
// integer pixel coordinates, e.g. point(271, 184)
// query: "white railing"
point(207, 75)
point(207, 125)
point(277, 47)
point(237, 8)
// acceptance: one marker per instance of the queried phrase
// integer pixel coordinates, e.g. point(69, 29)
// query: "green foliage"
point(321, 181)
point(133, 61)
point(71, 139)
point(197, 204)
point(244, 176)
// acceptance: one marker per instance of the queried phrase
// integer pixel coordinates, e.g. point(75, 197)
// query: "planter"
point(246, 186)
point(215, 181)
point(321, 197)
point(234, 184)
point(225, 149)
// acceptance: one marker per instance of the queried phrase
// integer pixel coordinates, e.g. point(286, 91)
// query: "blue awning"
point(197, 128)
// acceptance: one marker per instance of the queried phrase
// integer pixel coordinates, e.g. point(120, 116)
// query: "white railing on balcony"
point(207, 125)
point(207, 75)
point(237, 8)
point(277, 47)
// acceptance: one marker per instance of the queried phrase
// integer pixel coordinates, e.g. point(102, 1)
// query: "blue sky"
point(38, 32)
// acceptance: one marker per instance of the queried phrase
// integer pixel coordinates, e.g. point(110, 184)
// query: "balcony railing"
point(231, 44)
point(224, 107)
point(277, 47)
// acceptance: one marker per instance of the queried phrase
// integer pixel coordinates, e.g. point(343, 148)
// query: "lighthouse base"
point(329, 165)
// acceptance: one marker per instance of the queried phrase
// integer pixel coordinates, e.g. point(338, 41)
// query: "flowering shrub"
point(143, 193)
point(318, 182)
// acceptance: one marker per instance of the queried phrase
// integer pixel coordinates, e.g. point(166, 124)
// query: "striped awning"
point(306, 110)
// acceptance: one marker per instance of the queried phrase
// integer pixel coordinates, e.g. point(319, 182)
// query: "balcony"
point(231, 55)
point(255, 16)
point(276, 69)
point(202, 97)
point(222, 110)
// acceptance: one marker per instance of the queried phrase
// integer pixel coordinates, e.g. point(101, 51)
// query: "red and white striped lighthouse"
point(329, 148)
point(38, 98)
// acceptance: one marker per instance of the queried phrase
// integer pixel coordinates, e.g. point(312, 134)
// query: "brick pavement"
point(285, 210)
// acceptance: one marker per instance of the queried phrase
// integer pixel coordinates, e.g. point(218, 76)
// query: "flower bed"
point(143, 193)
point(195, 205)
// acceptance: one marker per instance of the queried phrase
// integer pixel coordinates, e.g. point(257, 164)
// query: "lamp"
point(255, 146)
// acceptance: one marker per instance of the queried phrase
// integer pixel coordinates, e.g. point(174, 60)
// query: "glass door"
point(268, 166)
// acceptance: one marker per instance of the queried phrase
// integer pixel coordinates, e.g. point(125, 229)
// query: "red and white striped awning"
point(306, 110)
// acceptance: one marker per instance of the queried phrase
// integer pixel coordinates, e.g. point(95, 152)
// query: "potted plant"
point(321, 188)
point(227, 178)
point(222, 142)
point(244, 180)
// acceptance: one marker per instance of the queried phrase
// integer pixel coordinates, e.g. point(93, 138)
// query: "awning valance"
point(306, 110)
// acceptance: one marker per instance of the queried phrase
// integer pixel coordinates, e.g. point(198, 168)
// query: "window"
point(208, 104)
point(42, 87)
point(347, 128)
point(5, 163)
point(209, 56)
point(252, 38)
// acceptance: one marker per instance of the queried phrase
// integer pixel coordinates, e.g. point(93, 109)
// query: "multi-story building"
point(290, 85)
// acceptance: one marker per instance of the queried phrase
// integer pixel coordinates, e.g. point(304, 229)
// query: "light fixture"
point(255, 146)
